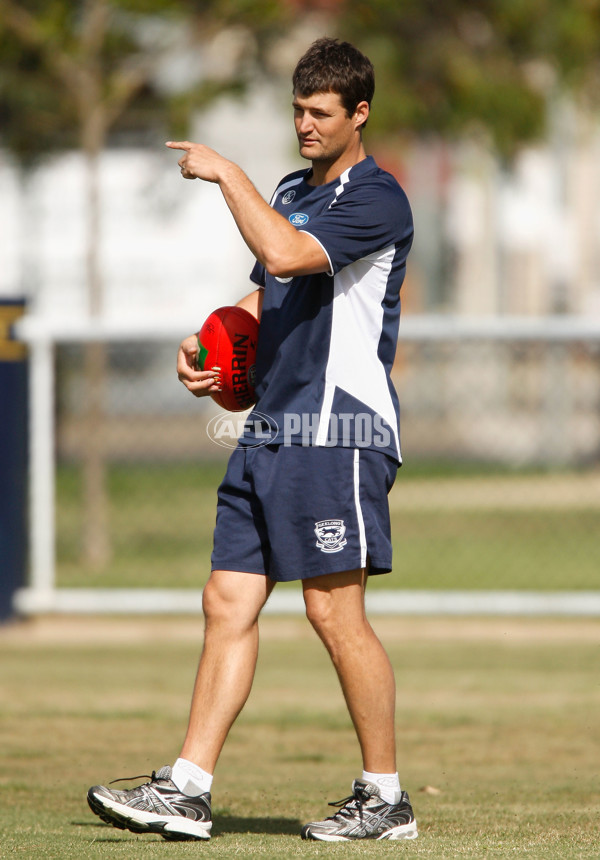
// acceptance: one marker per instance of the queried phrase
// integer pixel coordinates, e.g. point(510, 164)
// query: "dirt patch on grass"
point(529, 492)
point(73, 630)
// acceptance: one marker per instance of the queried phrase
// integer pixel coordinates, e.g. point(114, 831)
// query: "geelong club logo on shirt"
point(298, 219)
point(288, 197)
point(330, 535)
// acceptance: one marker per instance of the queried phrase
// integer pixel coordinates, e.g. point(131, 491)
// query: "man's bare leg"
point(232, 602)
point(335, 607)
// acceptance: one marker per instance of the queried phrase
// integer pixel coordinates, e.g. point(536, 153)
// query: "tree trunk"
point(96, 545)
point(96, 532)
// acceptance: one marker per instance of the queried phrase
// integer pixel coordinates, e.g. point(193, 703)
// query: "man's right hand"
point(199, 382)
point(199, 161)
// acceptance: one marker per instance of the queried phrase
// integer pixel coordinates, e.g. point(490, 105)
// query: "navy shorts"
point(294, 512)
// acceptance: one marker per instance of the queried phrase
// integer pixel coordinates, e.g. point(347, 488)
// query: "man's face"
point(324, 129)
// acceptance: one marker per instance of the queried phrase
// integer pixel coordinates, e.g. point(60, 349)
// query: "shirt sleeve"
point(258, 274)
point(363, 220)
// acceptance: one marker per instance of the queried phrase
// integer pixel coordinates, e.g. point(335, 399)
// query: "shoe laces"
point(348, 805)
point(153, 777)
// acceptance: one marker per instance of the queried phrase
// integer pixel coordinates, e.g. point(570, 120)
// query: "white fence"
point(42, 595)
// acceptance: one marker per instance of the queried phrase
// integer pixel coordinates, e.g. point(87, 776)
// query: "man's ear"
point(361, 114)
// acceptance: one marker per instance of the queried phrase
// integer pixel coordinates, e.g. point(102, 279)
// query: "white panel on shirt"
point(356, 328)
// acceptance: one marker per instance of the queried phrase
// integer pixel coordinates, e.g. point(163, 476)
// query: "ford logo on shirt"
point(298, 219)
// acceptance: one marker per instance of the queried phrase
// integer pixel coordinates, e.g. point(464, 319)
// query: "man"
point(312, 504)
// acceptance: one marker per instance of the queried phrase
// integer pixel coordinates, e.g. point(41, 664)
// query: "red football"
point(228, 340)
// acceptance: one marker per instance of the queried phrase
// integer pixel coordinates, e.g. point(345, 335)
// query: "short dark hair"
point(338, 67)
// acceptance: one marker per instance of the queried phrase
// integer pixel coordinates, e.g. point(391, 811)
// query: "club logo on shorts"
point(330, 535)
point(288, 197)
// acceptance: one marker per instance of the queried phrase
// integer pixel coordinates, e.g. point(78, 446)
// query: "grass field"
point(499, 716)
point(452, 529)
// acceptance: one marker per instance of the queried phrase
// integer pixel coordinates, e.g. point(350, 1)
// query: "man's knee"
point(215, 604)
point(335, 603)
point(318, 609)
point(234, 598)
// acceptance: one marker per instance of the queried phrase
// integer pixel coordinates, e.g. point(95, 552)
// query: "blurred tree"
point(76, 73)
point(463, 66)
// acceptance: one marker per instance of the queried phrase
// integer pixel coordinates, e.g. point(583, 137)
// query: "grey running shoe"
point(364, 815)
point(154, 807)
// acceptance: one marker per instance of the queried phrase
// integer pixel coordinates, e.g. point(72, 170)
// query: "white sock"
point(387, 783)
point(189, 778)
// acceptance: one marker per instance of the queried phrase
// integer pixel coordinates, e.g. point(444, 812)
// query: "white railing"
point(42, 335)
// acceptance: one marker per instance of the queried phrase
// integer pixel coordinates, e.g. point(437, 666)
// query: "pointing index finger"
point(179, 144)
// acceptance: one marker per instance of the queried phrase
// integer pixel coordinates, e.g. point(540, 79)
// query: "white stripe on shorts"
point(359, 515)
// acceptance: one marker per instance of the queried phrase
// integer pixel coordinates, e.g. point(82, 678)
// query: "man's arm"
point(283, 251)
point(252, 303)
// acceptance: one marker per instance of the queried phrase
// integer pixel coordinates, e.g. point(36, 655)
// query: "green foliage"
point(463, 66)
point(33, 116)
point(66, 65)
point(183, 105)
point(446, 69)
